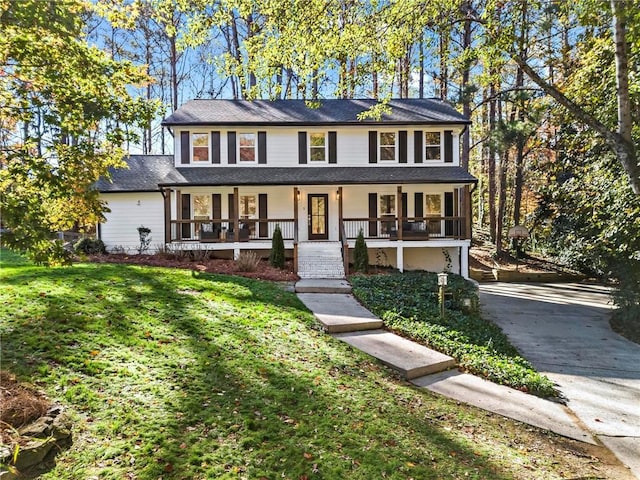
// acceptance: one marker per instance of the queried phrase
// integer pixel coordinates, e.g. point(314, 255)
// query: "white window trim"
point(240, 205)
point(395, 146)
point(192, 145)
point(326, 148)
point(424, 147)
point(255, 148)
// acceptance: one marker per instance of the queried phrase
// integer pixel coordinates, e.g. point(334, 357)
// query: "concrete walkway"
point(425, 368)
point(563, 330)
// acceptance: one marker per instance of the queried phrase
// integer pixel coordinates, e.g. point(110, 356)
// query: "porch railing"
point(222, 230)
point(413, 228)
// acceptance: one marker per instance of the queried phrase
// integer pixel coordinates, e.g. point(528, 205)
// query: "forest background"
point(552, 88)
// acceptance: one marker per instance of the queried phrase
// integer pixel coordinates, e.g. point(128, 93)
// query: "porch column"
point(340, 229)
point(400, 257)
point(399, 213)
point(236, 216)
point(166, 193)
point(467, 212)
point(464, 261)
point(296, 195)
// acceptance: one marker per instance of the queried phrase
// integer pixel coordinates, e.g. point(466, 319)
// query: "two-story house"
point(321, 174)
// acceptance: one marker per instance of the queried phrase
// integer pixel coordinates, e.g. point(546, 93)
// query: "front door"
point(318, 209)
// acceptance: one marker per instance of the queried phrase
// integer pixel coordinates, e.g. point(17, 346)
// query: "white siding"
point(128, 212)
point(352, 144)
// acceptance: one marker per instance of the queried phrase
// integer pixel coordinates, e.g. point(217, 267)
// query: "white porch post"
point(400, 256)
point(464, 261)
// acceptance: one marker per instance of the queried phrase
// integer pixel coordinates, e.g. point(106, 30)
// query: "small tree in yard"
point(360, 254)
point(276, 258)
point(145, 239)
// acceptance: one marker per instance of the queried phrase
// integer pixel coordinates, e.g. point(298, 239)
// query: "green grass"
point(178, 375)
point(408, 305)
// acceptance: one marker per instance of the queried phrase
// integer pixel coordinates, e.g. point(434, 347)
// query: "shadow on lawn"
point(207, 376)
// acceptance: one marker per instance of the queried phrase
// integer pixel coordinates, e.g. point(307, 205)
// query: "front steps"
point(320, 260)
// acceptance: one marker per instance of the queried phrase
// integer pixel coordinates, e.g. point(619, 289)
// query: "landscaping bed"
point(408, 305)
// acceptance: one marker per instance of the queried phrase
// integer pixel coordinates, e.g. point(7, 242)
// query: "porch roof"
point(144, 174)
point(409, 111)
point(304, 175)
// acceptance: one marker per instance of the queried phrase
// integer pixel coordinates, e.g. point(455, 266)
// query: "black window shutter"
point(232, 211)
point(262, 147)
point(185, 154)
point(231, 147)
point(373, 213)
point(333, 147)
point(404, 205)
point(373, 147)
point(263, 228)
point(418, 199)
point(448, 212)
point(448, 146)
point(216, 210)
point(302, 147)
point(186, 215)
point(215, 147)
point(418, 151)
point(402, 146)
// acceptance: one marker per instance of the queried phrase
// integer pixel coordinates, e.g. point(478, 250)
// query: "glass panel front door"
point(318, 209)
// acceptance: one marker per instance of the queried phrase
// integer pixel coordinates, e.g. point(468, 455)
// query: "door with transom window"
point(318, 208)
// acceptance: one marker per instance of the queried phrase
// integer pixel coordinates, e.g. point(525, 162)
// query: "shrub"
point(360, 254)
point(247, 261)
point(276, 258)
point(90, 246)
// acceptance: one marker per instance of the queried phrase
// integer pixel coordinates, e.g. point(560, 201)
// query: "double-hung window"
point(248, 212)
point(317, 147)
point(432, 145)
point(247, 146)
point(388, 146)
point(200, 147)
point(387, 209)
point(433, 209)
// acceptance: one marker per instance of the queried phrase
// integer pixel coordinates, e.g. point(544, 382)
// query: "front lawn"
point(176, 374)
point(408, 304)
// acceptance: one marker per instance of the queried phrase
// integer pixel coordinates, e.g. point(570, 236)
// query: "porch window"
point(317, 147)
point(432, 145)
point(433, 208)
point(247, 143)
point(387, 209)
point(388, 146)
point(201, 210)
point(248, 211)
point(200, 149)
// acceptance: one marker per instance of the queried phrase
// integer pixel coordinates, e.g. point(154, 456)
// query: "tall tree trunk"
point(491, 165)
point(421, 80)
point(174, 71)
point(501, 187)
point(444, 65)
point(465, 87)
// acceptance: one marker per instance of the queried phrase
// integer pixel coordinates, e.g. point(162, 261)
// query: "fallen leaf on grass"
point(308, 456)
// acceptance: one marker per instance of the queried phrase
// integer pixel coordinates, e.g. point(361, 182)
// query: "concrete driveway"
point(563, 330)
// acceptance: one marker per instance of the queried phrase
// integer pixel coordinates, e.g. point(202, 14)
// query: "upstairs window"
point(432, 146)
point(247, 145)
point(387, 146)
point(317, 147)
point(200, 147)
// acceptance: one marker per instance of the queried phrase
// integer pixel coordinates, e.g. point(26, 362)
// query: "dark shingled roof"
point(144, 174)
point(230, 176)
point(410, 111)
point(147, 172)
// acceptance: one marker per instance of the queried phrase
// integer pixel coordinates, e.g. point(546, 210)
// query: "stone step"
point(322, 285)
point(338, 312)
point(412, 360)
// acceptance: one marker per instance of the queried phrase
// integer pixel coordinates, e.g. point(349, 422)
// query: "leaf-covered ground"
point(176, 374)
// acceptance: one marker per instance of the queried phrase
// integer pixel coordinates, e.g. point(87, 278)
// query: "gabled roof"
point(410, 111)
point(144, 174)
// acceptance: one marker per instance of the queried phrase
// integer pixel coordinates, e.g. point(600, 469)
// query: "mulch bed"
point(264, 271)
